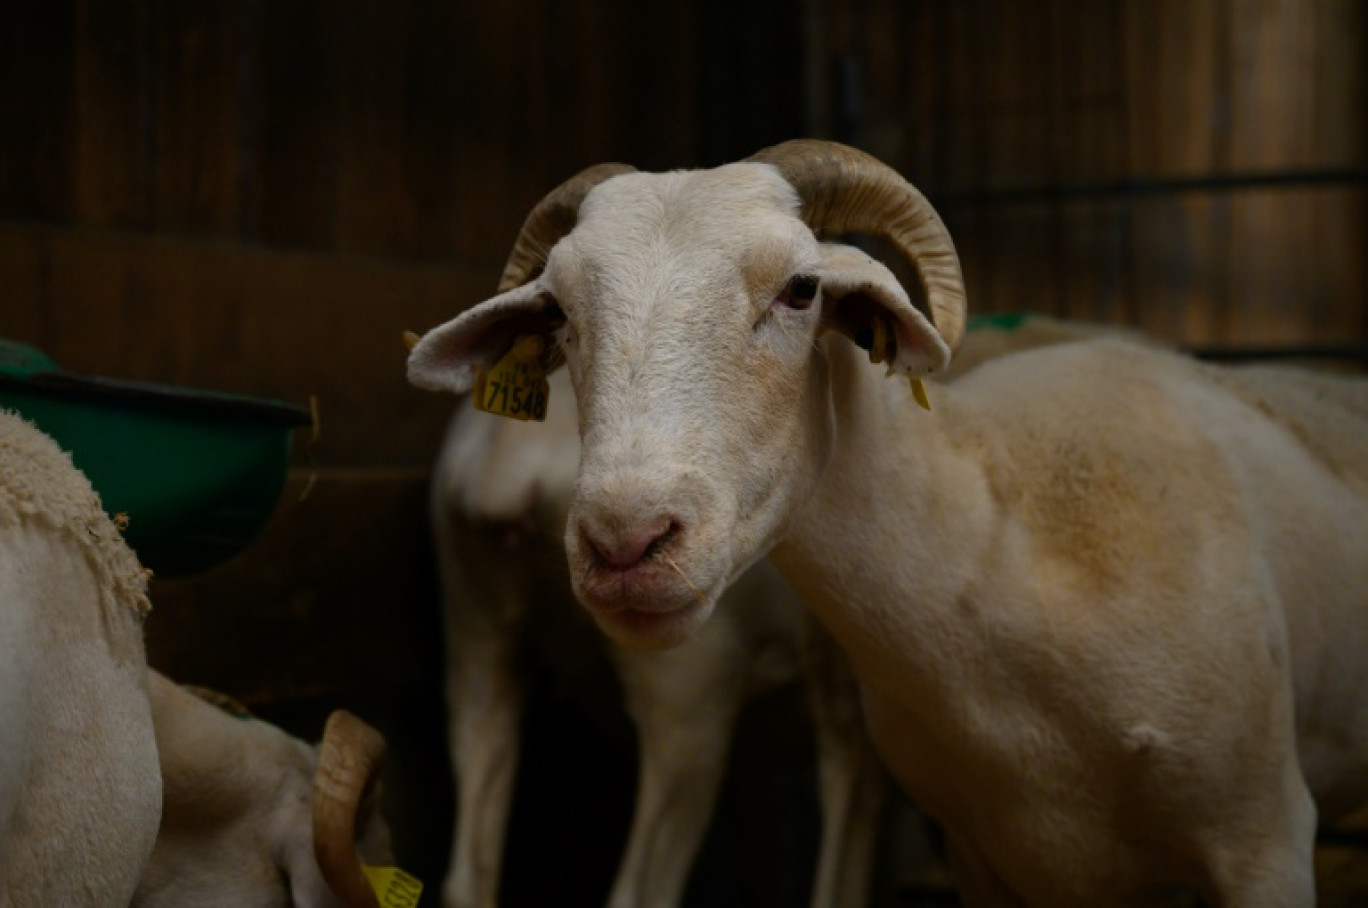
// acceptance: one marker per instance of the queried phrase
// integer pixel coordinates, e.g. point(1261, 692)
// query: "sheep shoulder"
point(41, 489)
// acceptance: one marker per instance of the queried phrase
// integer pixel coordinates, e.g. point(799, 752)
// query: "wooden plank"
point(25, 315)
point(501, 166)
point(375, 204)
point(1340, 218)
point(400, 95)
point(114, 113)
point(248, 321)
point(37, 50)
point(196, 55)
point(291, 115)
point(1176, 92)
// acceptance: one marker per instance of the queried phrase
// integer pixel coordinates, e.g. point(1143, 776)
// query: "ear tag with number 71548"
point(516, 387)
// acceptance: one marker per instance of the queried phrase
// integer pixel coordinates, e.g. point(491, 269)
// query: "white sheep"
point(500, 493)
point(1107, 606)
point(253, 816)
point(80, 794)
point(118, 787)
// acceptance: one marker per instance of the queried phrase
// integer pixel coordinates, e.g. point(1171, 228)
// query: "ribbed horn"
point(349, 762)
point(552, 218)
point(845, 190)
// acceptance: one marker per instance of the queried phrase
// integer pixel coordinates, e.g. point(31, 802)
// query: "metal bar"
point(1130, 189)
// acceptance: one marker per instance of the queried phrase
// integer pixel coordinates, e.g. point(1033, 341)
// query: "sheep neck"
point(902, 513)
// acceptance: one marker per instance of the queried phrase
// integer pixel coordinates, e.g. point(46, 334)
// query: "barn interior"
point(260, 198)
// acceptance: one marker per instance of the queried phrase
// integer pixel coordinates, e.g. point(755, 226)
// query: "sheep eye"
point(800, 291)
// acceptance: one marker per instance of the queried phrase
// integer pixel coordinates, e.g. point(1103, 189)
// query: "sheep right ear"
point(451, 356)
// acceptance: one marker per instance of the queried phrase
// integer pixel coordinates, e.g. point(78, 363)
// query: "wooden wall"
point(260, 196)
point(1051, 131)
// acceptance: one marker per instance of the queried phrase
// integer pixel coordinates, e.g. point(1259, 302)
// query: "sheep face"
point(702, 403)
point(692, 310)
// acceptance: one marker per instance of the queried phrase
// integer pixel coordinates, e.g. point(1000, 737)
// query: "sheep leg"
point(852, 784)
point(484, 612)
point(1269, 862)
point(485, 703)
point(684, 706)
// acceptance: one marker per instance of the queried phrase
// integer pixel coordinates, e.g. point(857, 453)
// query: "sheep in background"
point(256, 817)
point(500, 493)
point(1106, 605)
point(80, 794)
point(118, 787)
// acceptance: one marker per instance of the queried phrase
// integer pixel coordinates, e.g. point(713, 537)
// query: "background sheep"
point(1105, 605)
point(253, 816)
point(500, 493)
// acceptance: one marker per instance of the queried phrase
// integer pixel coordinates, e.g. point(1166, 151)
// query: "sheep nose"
point(623, 548)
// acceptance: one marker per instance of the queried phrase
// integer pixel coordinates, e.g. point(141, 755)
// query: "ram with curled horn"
point(254, 816)
point(1093, 592)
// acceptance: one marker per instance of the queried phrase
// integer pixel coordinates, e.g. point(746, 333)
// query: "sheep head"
point(253, 816)
point(691, 309)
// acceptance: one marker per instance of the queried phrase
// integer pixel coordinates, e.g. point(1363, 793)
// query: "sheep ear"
point(451, 356)
point(865, 302)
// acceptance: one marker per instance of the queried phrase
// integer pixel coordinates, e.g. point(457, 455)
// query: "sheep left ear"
point(865, 302)
point(451, 356)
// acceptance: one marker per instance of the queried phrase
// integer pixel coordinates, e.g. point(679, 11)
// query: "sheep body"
point(1105, 605)
point(1114, 623)
point(500, 494)
point(80, 794)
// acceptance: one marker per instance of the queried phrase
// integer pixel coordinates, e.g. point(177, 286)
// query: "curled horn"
point(845, 190)
point(552, 218)
point(349, 762)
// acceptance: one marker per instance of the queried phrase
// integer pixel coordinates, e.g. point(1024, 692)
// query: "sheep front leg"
point(484, 613)
point(485, 704)
point(684, 704)
point(852, 784)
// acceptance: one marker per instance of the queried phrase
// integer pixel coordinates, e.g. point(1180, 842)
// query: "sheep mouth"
point(650, 588)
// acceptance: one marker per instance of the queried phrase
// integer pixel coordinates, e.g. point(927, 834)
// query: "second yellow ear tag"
point(883, 348)
point(393, 887)
point(516, 387)
point(919, 393)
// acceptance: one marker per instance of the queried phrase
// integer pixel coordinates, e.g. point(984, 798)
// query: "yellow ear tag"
point(393, 887)
point(919, 393)
point(516, 387)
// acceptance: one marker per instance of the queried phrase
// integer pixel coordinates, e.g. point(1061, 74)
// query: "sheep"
point(499, 495)
point(80, 793)
point(116, 786)
point(1105, 604)
point(253, 816)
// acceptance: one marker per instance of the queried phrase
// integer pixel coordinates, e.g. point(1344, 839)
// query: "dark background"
point(260, 196)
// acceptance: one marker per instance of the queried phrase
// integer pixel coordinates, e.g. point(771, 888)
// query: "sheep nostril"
point(624, 549)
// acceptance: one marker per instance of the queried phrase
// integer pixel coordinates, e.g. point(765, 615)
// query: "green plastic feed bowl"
point(196, 472)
